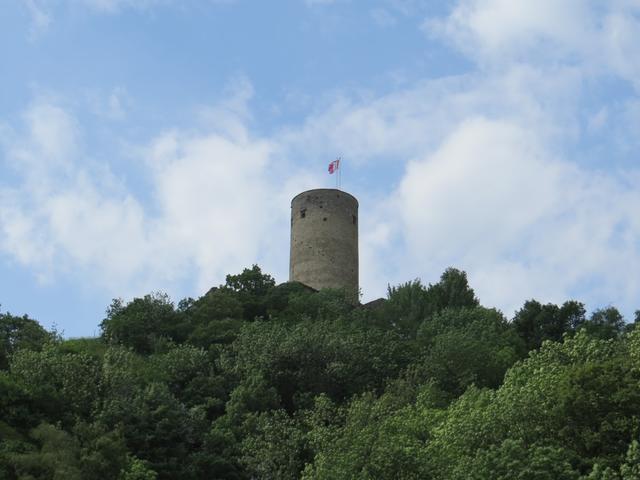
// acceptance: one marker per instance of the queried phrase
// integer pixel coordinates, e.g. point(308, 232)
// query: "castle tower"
point(324, 240)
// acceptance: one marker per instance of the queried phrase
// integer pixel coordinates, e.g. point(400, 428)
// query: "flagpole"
point(333, 166)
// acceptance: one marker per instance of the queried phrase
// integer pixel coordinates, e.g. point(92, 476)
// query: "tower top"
point(325, 192)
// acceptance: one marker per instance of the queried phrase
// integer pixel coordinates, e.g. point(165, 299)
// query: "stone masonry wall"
point(324, 239)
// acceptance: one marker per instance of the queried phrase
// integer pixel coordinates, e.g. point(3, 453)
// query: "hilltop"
point(258, 380)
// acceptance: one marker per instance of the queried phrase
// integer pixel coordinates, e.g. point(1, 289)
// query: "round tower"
point(324, 240)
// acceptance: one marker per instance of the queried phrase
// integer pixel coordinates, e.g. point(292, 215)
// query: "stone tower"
point(324, 240)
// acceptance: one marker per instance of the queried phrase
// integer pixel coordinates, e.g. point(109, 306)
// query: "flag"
point(333, 166)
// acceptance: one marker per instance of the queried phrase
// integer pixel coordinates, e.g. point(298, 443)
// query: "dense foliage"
point(258, 381)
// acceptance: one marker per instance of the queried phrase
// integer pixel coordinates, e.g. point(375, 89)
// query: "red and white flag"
point(333, 166)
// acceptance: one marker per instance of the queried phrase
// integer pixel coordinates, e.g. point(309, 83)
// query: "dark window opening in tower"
point(355, 220)
point(324, 219)
point(303, 213)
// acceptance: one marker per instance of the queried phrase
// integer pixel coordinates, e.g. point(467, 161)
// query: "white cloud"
point(43, 151)
point(113, 6)
point(600, 37)
point(40, 20)
point(598, 120)
point(383, 17)
point(312, 3)
point(496, 183)
point(215, 206)
point(63, 214)
point(111, 104)
point(53, 134)
point(489, 189)
point(214, 199)
point(506, 28)
point(409, 122)
point(522, 222)
point(42, 12)
point(486, 173)
point(231, 115)
point(22, 237)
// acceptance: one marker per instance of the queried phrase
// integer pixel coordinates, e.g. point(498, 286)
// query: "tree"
point(157, 428)
point(257, 381)
point(514, 460)
point(465, 346)
point(102, 452)
point(251, 286)
point(409, 304)
point(57, 456)
point(535, 323)
point(605, 323)
point(630, 470)
point(251, 281)
point(16, 406)
point(452, 291)
point(406, 307)
point(141, 322)
point(19, 333)
point(578, 396)
point(61, 386)
point(281, 296)
point(300, 361)
point(137, 470)
point(276, 448)
point(192, 378)
point(381, 438)
point(215, 318)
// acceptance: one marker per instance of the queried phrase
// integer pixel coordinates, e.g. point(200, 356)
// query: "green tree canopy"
point(257, 381)
point(19, 333)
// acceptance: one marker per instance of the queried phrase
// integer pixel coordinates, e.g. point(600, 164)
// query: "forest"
point(255, 380)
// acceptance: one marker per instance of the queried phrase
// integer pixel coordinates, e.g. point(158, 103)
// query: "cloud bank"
point(490, 173)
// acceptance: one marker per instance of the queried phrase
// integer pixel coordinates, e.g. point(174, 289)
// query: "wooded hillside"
point(254, 380)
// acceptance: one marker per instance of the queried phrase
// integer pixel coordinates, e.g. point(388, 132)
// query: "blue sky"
point(155, 145)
